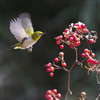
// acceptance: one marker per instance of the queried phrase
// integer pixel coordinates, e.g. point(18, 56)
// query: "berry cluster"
point(61, 58)
point(52, 95)
point(91, 61)
point(50, 69)
point(81, 27)
point(72, 38)
point(87, 53)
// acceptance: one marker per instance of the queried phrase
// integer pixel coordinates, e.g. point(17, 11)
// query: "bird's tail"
point(16, 46)
point(11, 47)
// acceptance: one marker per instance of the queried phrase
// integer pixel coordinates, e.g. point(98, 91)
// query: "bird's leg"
point(30, 49)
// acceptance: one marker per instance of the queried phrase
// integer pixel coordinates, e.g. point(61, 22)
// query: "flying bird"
point(22, 29)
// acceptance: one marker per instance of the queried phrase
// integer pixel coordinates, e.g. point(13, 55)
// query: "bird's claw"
point(30, 49)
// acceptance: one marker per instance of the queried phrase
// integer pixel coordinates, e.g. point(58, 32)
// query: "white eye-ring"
point(38, 34)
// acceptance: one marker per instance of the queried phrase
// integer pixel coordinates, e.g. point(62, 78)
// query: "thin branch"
point(67, 94)
point(76, 61)
point(72, 66)
point(60, 67)
point(83, 60)
point(98, 97)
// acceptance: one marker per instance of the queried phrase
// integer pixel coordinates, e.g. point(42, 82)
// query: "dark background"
point(22, 74)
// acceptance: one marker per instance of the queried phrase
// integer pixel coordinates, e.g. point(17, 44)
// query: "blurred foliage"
point(22, 74)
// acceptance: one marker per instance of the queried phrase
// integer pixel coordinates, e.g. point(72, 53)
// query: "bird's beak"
point(43, 33)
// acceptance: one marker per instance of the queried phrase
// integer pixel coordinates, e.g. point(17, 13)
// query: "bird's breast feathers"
point(28, 42)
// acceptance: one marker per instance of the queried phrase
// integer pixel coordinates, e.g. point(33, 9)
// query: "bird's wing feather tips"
point(17, 29)
point(26, 23)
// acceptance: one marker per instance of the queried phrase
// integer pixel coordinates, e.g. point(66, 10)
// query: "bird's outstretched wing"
point(17, 29)
point(26, 23)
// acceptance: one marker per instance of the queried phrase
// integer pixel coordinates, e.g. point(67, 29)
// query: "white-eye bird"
point(22, 29)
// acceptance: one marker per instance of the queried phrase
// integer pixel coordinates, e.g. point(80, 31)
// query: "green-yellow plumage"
point(23, 31)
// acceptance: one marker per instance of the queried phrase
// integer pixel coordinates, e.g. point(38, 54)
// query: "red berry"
point(95, 62)
point(61, 54)
point(66, 36)
point(56, 60)
point(57, 38)
point(71, 39)
point(71, 45)
point(48, 96)
point(66, 30)
point(64, 64)
point(54, 91)
point(90, 61)
point(86, 50)
point(58, 42)
point(76, 39)
point(73, 35)
point(58, 95)
point(76, 24)
point(61, 46)
point(79, 27)
point(51, 74)
point(83, 55)
point(48, 65)
point(52, 69)
point(48, 69)
point(49, 92)
point(91, 41)
point(77, 43)
point(85, 30)
point(51, 98)
point(82, 26)
point(60, 37)
point(93, 55)
point(86, 54)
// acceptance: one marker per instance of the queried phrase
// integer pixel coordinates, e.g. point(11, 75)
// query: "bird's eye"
point(38, 34)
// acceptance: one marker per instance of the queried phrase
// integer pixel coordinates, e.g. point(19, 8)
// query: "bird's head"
point(37, 35)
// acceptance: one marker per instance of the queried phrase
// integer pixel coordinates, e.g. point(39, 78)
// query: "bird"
point(23, 31)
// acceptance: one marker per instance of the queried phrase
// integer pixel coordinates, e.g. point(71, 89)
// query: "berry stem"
point(72, 66)
point(60, 67)
point(83, 60)
point(76, 53)
point(86, 41)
